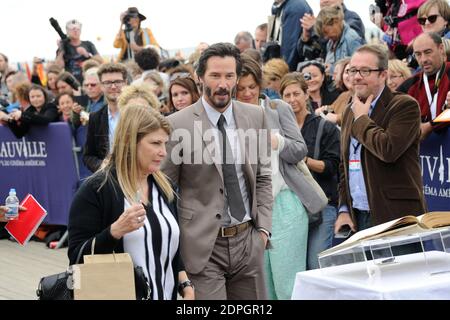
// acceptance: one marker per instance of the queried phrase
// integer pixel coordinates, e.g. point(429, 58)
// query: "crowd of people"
point(208, 209)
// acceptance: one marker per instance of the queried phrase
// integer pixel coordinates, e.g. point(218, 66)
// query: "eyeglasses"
point(431, 19)
point(90, 84)
point(117, 83)
point(364, 72)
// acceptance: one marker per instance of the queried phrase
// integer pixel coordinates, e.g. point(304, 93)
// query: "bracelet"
point(184, 284)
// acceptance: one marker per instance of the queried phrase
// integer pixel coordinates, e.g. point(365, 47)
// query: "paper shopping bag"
point(105, 277)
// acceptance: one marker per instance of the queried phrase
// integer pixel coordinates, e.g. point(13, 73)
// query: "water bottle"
point(12, 202)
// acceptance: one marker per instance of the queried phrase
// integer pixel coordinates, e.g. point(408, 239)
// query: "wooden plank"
point(21, 268)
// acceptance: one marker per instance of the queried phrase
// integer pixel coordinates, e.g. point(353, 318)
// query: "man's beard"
point(111, 99)
point(222, 103)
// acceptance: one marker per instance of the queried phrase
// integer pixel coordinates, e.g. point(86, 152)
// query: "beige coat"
point(201, 186)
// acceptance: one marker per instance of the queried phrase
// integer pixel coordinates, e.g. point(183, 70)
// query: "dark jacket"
point(328, 93)
point(415, 87)
point(97, 139)
point(389, 157)
point(329, 154)
point(292, 12)
point(47, 114)
point(93, 211)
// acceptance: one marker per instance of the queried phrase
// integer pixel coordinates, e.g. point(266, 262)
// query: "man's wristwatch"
point(184, 284)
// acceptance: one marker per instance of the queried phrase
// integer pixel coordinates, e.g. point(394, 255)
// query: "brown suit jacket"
point(389, 157)
point(201, 186)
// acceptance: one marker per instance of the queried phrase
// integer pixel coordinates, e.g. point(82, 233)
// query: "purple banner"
point(41, 163)
point(435, 161)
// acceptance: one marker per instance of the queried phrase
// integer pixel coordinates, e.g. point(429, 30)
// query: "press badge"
point(354, 165)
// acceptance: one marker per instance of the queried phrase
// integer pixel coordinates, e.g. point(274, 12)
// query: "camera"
point(126, 22)
point(307, 76)
point(344, 232)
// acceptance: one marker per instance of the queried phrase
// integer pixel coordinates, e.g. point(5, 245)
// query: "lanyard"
point(356, 147)
point(432, 99)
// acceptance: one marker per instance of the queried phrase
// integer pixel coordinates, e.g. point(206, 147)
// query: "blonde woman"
point(141, 94)
point(273, 71)
point(398, 72)
point(128, 206)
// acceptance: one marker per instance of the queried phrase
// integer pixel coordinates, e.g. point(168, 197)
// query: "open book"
point(443, 117)
point(401, 226)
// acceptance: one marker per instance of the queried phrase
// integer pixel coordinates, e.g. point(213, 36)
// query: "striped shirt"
point(153, 247)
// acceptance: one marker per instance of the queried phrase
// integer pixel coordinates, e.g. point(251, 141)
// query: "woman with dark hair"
point(67, 83)
point(35, 109)
point(321, 89)
point(342, 81)
point(65, 102)
point(182, 93)
point(46, 111)
point(292, 193)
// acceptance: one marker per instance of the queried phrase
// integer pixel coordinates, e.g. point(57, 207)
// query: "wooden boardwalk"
point(21, 268)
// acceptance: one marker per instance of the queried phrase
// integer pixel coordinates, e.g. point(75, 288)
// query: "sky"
point(25, 30)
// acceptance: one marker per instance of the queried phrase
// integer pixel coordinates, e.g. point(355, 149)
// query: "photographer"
point(72, 52)
point(131, 38)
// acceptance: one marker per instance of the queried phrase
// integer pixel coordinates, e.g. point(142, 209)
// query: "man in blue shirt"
point(102, 123)
point(380, 171)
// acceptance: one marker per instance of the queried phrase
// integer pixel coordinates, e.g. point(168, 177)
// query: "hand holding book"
point(25, 226)
point(4, 209)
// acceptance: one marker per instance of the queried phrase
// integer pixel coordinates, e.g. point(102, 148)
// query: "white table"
point(409, 277)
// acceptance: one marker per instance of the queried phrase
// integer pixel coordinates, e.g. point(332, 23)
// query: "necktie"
point(234, 196)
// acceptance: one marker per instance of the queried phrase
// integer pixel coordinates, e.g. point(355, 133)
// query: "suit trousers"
point(235, 270)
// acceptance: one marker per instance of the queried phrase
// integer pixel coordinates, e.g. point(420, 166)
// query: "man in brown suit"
point(380, 172)
point(219, 156)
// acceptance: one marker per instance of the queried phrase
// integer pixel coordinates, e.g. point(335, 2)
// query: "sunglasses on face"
point(431, 19)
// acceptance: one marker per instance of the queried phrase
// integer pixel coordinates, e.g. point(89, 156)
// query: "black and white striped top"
point(153, 247)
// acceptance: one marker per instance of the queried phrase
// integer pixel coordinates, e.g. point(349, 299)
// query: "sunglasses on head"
point(178, 75)
point(431, 19)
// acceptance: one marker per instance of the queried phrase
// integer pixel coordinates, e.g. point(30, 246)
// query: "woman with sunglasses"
point(434, 16)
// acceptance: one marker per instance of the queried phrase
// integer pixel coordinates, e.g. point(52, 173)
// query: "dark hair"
point(112, 68)
point(308, 63)
point(69, 79)
point(4, 57)
point(10, 73)
point(59, 96)
point(251, 67)
point(189, 84)
point(44, 92)
point(220, 49)
point(147, 59)
point(168, 64)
